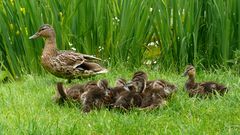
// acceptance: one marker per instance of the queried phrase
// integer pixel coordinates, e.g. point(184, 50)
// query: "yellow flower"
point(23, 10)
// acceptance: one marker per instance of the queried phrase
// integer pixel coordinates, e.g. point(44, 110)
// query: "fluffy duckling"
point(95, 96)
point(65, 64)
point(156, 93)
point(139, 79)
point(131, 92)
point(119, 88)
point(73, 93)
point(201, 89)
point(164, 88)
point(153, 95)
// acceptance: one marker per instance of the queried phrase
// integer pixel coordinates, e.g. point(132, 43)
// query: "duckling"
point(202, 89)
point(139, 79)
point(95, 96)
point(73, 93)
point(65, 64)
point(152, 96)
point(156, 93)
point(115, 91)
point(164, 88)
point(130, 96)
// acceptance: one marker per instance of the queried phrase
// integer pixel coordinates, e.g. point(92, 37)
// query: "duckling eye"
point(190, 69)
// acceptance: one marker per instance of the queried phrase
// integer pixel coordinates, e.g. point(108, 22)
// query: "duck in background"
point(201, 89)
point(65, 64)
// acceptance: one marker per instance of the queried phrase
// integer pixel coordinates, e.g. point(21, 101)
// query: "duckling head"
point(103, 84)
point(136, 85)
point(120, 82)
point(140, 74)
point(190, 71)
point(45, 31)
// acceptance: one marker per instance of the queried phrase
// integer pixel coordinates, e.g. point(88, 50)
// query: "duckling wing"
point(209, 86)
point(213, 86)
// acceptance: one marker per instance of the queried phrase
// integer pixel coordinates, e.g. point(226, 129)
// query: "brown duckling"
point(131, 92)
point(164, 88)
point(65, 64)
point(139, 79)
point(95, 96)
point(155, 94)
point(73, 93)
point(202, 89)
point(115, 91)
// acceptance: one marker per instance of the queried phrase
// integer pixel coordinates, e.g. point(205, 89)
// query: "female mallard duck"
point(65, 64)
point(201, 89)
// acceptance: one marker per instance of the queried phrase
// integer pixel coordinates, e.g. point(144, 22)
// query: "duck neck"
point(191, 79)
point(190, 84)
point(50, 48)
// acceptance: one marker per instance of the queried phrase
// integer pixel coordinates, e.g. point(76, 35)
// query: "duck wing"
point(69, 58)
point(90, 57)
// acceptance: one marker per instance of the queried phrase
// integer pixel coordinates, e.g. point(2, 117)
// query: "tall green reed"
point(122, 31)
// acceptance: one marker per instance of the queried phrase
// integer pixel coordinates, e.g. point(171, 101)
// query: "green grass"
point(26, 108)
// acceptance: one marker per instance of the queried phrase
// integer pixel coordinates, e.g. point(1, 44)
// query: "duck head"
point(45, 31)
point(137, 85)
point(140, 74)
point(190, 71)
point(103, 84)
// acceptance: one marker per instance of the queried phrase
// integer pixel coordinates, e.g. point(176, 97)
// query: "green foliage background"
point(202, 32)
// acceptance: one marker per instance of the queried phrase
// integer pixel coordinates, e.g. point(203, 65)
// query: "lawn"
point(26, 107)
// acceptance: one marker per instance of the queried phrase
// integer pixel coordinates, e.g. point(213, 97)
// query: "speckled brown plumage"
point(156, 93)
point(95, 96)
point(72, 93)
point(65, 64)
point(202, 89)
point(130, 95)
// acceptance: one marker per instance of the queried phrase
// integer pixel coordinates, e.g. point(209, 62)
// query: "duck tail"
point(61, 91)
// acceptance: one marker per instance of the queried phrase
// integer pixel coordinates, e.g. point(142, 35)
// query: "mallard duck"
point(65, 64)
point(95, 96)
point(202, 89)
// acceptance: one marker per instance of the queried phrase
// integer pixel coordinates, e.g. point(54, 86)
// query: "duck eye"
point(42, 29)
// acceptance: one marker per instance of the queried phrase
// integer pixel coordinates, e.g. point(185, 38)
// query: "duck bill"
point(126, 88)
point(36, 35)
